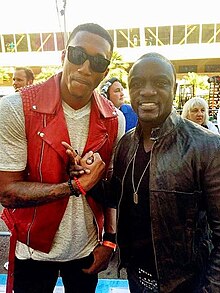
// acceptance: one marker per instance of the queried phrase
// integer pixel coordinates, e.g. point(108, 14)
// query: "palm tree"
point(118, 68)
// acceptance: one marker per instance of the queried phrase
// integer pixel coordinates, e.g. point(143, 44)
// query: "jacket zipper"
point(155, 258)
point(101, 143)
point(41, 179)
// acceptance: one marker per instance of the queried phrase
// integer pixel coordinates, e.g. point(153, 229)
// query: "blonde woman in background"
point(197, 110)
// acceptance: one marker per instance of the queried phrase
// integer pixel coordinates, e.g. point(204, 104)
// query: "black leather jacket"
point(184, 189)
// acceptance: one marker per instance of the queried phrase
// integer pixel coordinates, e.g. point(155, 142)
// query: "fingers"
point(75, 170)
point(88, 159)
point(81, 165)
point(73, 155)
point(68, 147)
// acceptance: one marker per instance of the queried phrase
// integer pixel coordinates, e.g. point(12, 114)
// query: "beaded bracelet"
point(72, 189)
point(79, 186)
point(109, 244)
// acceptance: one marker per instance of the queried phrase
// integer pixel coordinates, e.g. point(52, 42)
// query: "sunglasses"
point(77, 56)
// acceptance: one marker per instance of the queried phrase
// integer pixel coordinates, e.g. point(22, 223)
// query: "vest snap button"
point(41, 134)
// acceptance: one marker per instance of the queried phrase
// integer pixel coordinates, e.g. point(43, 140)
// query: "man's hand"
point(102, 256)
point(78, 165)
point(89, 168)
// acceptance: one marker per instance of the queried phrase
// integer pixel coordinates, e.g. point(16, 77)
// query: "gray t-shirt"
point(77, 235)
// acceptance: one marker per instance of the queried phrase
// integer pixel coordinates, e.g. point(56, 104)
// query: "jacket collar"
point(168, 126)
point(48, 98)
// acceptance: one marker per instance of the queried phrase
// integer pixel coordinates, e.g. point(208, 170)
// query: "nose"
point(14, 83)
point(148, 90)
point(85, 67)
point(200, 112)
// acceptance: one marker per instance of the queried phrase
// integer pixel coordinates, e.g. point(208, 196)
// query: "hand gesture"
point(77, 165)
point(102, 256)
point(90, 167)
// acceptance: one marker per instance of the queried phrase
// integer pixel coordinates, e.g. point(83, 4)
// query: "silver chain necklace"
point(135, 194)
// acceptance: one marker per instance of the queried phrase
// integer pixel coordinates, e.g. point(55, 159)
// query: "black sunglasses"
point(77, 56)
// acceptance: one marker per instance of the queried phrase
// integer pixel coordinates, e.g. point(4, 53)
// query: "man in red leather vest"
point(60, 225)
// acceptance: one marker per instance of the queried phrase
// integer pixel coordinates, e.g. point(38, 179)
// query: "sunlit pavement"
point(104, 285)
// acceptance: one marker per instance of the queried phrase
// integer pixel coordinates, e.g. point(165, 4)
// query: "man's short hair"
point(92, 28)
point(29, 73)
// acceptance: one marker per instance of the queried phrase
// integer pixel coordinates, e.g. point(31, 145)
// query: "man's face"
point(152, 89)
point(79, 80)
point(116, 94)
point(19, 79)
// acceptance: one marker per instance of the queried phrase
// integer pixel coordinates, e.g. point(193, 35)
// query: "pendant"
point(135, 197)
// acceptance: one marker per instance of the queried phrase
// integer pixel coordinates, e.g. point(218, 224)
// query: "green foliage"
point(4, 74)
point(47, 72)
point(200, 82)
point(118, 68)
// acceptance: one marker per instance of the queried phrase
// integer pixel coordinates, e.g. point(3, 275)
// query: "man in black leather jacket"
point(167, 181)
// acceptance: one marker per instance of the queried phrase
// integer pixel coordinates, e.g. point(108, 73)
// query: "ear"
point(106, 72)
point(63, 55)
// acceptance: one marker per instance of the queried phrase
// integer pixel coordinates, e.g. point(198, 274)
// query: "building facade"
point(192, 47)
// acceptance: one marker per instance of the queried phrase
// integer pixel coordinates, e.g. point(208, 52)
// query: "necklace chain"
point(135, 194)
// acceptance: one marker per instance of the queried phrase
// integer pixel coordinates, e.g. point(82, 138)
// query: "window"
point(9, 43)
point(60, 41)
point(1, 37)
point(35, 41)
point(122, 38)
point(207, 33)
point(134, 39)
point(150, 36)
point(164, 35)
point(218, 32)
point(48, 42)
point(178, 34)
point(111, 32)
point(187, 68)
point(212, 68)
point(193, 34)
point(21, 42)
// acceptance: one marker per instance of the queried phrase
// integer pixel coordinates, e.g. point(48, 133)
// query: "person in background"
point(197, 110)
point(61, 225)
point(166, 180)
point(22, 76)
point(113, 90)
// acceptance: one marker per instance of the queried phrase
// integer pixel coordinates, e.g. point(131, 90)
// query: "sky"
point(20, 16)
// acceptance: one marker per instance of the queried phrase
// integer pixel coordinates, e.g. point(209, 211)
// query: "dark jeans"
point(31, 276)
point(139, 282)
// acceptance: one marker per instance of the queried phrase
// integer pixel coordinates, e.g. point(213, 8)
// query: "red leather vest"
point(47, 160)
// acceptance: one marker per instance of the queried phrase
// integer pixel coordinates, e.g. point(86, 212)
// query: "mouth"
point(81, 81)
point(148, 106)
